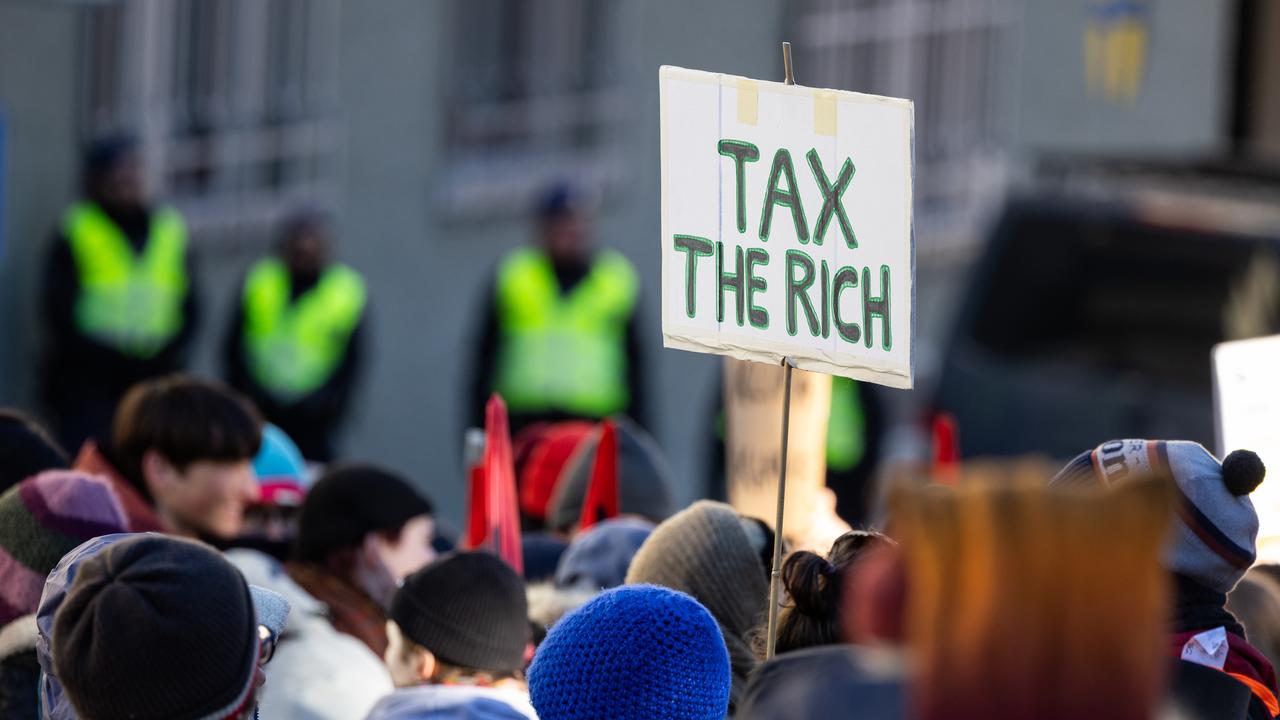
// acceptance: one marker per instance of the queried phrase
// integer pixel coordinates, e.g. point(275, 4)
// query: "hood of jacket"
point(54, 704)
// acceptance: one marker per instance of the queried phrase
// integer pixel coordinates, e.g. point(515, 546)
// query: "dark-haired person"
point(815, 589)
point(119, 294)
point(26, 449)
point(160, 627)
point(362, 531)
point(180, 457)
point(294, 342)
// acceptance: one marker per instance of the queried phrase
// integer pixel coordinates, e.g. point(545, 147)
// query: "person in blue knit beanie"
point(637, 651)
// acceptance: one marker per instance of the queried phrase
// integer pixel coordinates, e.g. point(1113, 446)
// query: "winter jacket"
point(350, 610)
point(454, 702)
point(830, 681)
point(317, 673)
point(19, 671)
point(1224, 650)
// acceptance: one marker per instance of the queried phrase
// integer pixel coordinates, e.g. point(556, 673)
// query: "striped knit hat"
point(41, 519)
point(1214, 542)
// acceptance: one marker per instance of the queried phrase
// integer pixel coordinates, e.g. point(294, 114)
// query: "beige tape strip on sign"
point(748, 101)
point(824, 113)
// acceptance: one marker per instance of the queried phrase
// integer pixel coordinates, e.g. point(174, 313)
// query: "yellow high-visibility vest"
point(846, 426)
point(294, 347)
point(128, 300)
point(565, 353)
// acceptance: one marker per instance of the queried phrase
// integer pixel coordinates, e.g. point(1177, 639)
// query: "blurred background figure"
point(271, 523)
point(296, 335)
point(558, 337)
point(119, 293)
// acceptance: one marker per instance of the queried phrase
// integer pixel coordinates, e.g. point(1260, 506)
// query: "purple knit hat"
point(43, 518)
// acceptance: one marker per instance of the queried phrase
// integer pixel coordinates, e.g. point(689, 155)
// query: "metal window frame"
point(950, 57)
point(500, 152)
point(256, 158)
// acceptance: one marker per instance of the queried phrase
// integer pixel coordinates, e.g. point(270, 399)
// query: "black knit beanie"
point(349, 502)
point(468, 609)
point(156, 627)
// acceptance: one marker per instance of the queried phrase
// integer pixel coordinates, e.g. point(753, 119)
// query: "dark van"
point(1091, 319)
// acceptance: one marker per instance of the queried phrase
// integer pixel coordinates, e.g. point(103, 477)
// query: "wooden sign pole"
point(775, 577)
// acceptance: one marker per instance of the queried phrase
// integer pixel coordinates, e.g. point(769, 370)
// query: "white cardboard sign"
point(1247, 414)
point(787, 225)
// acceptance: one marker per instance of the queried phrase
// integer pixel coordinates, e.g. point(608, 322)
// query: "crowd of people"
point(192, 565)
point(181, 549)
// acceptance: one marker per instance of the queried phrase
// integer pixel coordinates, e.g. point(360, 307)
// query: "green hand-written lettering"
point(811, 289)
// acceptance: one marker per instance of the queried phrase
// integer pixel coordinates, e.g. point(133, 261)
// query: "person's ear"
point(427, 665)
point(158, 474)
point(373, 549)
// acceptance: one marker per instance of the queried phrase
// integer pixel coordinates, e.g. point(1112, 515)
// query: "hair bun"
point(808, 582)
point(1242, 472)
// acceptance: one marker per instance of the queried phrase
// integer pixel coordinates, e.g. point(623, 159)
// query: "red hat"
point(548, 454)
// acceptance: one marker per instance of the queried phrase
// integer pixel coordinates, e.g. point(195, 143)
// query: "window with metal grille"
point(950, 57)
point(529, 96)
point(232, 101)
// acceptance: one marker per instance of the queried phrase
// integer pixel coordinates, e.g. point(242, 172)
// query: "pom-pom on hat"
point(638, 651)
point(1214, 541)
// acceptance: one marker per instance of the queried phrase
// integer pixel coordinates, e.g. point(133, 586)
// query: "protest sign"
point(753, 403)
point(786, 225)
point(1247, 416)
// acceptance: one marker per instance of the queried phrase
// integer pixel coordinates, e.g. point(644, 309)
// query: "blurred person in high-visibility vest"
point(559, 337)
point(119, 293)
point(294, 344)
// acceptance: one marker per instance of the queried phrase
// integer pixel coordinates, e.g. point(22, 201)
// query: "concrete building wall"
point(40, 171)
point(1183, 92)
